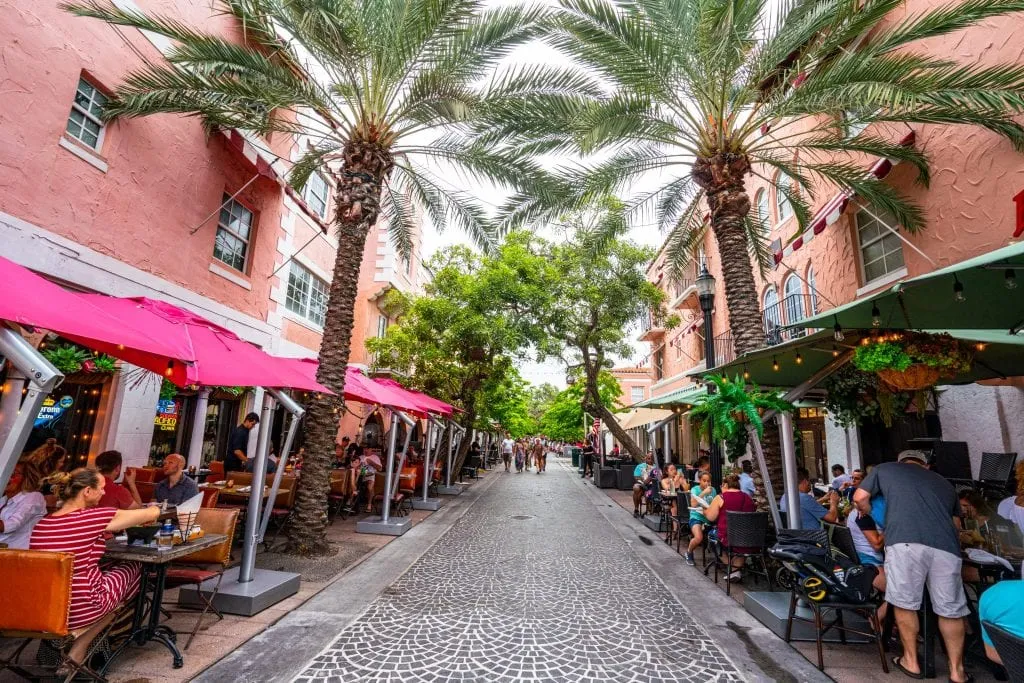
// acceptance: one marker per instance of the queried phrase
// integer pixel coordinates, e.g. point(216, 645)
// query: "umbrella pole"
point(389, 468)
point(405, 450)
point(44, 378)
point(297, 411)
point(789, 469)
point(195, 444)
point(773, 505)
point(10, 398)
point(259, 470)
point(426, 458)
point(448, 468)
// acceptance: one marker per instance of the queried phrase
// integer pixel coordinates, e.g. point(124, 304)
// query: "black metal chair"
point(1010, 649)
point(680, 525)
point(665, 520)
point(952, 460)
point(749, 531)
point(996, 471)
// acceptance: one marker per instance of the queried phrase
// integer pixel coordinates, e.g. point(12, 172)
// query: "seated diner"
point(21, 506)
point(122, 497)
point(812, 513)
point(175, 488)
point(731, 499)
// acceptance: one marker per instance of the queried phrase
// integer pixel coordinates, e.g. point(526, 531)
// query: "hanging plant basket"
point(915, 378)
point(83, 377)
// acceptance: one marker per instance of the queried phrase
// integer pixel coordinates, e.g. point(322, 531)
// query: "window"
point(763, 212)
point(881, 251)
point(794, 299)
point(84, 122)
point(813, 286)
point(307, 295)
point(382, 326)
point(782, 204)
point(636, 394)
point(233, 230)
point(772, 317)
point(659, 363)
point(316, 194)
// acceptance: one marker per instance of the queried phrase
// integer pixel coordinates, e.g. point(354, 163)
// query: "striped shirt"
point(94, 593)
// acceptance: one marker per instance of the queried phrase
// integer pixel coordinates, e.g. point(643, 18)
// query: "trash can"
point(576, 454)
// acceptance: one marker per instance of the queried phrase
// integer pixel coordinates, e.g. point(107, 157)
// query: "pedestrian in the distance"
point(520, 457)
point(539, 456)
point(507, 446)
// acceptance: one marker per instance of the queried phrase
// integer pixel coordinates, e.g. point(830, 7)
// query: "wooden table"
point(235, 491)
point(157, 561)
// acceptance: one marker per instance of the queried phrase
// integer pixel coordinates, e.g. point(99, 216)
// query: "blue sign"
point(52, 410)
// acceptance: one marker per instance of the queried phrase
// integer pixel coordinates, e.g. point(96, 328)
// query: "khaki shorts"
point(909, 567)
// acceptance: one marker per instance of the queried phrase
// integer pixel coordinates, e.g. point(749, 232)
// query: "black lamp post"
point(706, 292)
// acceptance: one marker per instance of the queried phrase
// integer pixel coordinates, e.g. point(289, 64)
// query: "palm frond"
point(447, 207)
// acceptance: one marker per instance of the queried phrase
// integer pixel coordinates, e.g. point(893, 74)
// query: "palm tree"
point(709, 94)
point(384, 89)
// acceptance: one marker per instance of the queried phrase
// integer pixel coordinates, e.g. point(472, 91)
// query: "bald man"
point(175, 488)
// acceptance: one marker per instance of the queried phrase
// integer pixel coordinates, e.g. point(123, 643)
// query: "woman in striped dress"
point(78, 527)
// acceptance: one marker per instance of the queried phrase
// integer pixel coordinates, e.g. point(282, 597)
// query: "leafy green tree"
point(563, 420)
point(397, 84)
point(541, 398)
point(709, 95)
point(506, 400)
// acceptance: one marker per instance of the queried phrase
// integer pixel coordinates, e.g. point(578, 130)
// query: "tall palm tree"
point(386, 89)
point(708, 94)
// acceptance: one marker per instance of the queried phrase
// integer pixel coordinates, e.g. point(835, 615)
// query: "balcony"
point(686, 287)
point(790, 310)
point(653, 328)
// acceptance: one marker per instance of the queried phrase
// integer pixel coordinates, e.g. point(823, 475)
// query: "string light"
point(120, 347)
point(865, 341)
point(876, 316)
point(775, 364)
point(1010, 279)
point(835, 351)
point(799, 358)
point(958, 290)
point(170, 368)
point(746, 373)
point(980, 346)
point(837, 333)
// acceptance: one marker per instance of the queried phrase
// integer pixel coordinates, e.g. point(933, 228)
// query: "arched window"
point(772, 317)
point(793, 299)
point(763, 212)
point(813, 286)
point(782, 203)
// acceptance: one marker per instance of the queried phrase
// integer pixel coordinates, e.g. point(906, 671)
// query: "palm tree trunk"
point(722, 177)
point(358, 206)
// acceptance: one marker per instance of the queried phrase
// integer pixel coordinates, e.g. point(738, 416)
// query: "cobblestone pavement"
point(533, 583)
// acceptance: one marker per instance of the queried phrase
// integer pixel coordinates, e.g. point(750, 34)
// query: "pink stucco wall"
point(164, 175)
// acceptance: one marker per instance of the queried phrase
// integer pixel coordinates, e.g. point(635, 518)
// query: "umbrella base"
point(376, 525)
point(453, 490)
point(266, 589)
point(432, 504)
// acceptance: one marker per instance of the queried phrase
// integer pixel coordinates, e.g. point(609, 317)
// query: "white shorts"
point(909, 567)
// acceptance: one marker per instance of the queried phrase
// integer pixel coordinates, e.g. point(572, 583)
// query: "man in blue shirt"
point(176, 487)
point(812, 513)
point(1000, 606)
point(747, 481)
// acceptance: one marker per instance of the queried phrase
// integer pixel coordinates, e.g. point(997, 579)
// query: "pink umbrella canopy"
point(359, 387)
point(427, 403)
point(217, 356)
point(32, 300)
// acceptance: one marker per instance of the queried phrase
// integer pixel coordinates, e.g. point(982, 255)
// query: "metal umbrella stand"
point(426, 502)
point(385, 524)
point(448, 489)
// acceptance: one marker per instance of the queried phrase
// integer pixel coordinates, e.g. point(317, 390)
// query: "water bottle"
point(165, 539)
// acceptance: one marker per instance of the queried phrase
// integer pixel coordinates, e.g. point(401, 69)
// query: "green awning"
point(688, 395)
point(927, 302)
point(777, 366)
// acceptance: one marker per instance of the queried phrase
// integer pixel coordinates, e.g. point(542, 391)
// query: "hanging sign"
point(51, 410)
point(166, 415)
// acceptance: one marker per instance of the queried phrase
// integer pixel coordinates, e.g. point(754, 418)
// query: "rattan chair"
point(1010, 649)
point(748, 530)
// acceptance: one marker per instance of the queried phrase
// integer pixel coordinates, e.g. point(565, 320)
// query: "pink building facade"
point(971, 207)
point(156, 207)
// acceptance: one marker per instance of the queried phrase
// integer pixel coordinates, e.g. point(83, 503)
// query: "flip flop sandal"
point(899, 665)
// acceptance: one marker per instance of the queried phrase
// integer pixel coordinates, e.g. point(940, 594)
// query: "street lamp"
point(706, 293)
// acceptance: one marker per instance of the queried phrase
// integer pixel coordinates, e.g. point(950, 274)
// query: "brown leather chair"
point(206, 564)
point(146, 490)
point(34, 605)
point(216, 470)
point(210, 496)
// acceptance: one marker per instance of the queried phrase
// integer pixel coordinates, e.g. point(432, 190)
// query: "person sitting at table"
point(840, 479)
point(115, 495)
point(641, 479)
point(21, 506)
point(747, 479)
point(731, 499)
point(78, 527)
point(47, 459)
point(811, 512)
point(1000, 606)
point(1012, 508)
point(702, 491)
point(867, 532)
point(673, 480)
point(175, 488)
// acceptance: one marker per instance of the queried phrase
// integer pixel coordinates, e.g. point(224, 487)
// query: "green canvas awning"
point(776, 366)
point(927, 302)
point(687, 396)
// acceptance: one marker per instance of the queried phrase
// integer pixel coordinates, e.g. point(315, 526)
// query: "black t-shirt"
point(237, 441)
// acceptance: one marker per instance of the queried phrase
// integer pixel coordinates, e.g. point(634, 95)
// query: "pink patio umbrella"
point(427, 403)
point(359, 387)
point(217, 356)
point(34, 301)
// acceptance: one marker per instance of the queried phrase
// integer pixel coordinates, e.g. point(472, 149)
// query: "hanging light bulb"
point(837, 333)
point(170, 368)
point(1010, 279)
point(865, 341)
point(876, 316)
point(980, 346)
point(835, 351)
point(958, 290)
point(775, 364)
point(799, 358)
point(746, 373)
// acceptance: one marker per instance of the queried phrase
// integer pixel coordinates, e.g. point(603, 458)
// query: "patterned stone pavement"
point(533, 583)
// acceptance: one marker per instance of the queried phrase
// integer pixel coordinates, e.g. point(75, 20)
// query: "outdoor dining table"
point(156, 561)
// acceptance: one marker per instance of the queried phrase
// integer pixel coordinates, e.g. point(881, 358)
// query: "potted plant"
point(732, 405)
point(853, 396)
point(80, 366)
point(913, 361)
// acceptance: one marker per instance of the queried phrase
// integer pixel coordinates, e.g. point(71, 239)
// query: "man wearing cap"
point(238, 444)
point(922, 548)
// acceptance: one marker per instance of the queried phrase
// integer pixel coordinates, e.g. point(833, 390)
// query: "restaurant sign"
point(167, 410)
point(51, 410)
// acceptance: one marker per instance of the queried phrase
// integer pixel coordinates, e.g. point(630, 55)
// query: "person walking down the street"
point(507, 446)
point(701, 496)
point(520, 456)
point(589, 450)
point(539, 456)
point(922, 548)
point(238, 445)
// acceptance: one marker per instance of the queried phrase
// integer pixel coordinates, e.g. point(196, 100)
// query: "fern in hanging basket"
point(915, 360)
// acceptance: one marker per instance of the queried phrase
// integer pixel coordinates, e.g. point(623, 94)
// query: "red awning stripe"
point(833, 210)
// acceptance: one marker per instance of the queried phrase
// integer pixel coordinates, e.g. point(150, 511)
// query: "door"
point(811, 446)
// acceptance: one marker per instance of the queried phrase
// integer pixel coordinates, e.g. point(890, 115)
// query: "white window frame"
point(382, 326)
point(633, 394)
point(773, 295)
point(84, 111)
point(813, 286)
point(227, 204)
point(310, 196)
point(793, 300)
point(764, 210)
point(782, 203)
point(861, 246)
point(305, 307)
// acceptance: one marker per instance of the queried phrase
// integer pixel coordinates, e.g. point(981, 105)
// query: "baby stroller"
point(822, 576)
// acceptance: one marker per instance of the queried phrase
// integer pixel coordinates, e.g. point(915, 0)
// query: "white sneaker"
point(734, 576)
